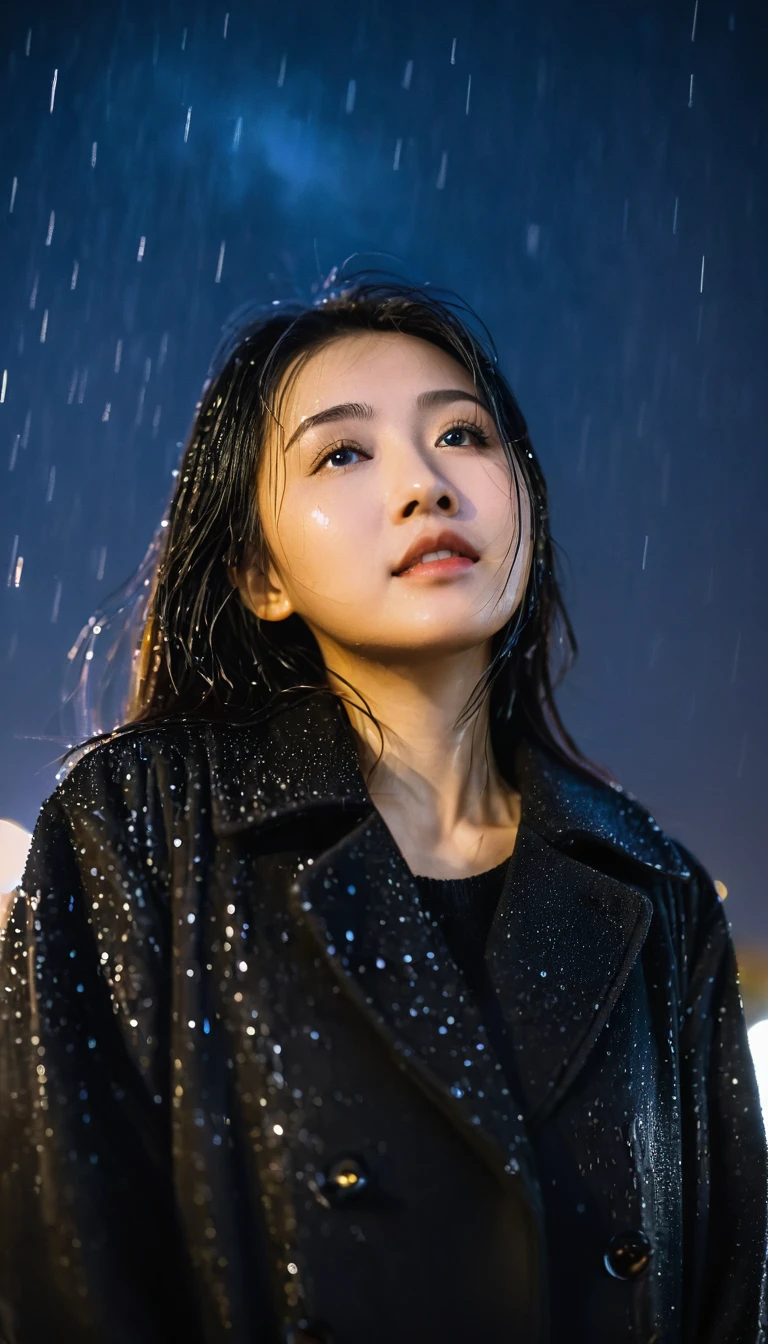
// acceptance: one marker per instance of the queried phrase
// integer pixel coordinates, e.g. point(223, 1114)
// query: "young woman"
point(346, 1001)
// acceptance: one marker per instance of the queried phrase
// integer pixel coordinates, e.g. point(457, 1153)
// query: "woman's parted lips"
point(439, 541)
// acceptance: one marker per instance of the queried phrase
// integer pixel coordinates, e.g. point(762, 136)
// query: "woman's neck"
point(437, 787)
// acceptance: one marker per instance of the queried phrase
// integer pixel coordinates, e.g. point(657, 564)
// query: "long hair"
point(201, 653)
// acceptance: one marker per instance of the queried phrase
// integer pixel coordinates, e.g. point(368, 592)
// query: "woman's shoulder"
point(131, 764)
point(128, 791)
point(683, 893)
point(609, 828)
point(295, 750)
point(575, 806)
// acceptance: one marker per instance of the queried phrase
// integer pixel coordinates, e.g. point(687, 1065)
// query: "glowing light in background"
point(14, 846)
point(758, 1043)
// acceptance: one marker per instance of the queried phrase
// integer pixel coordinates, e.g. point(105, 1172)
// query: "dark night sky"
point(591, 178)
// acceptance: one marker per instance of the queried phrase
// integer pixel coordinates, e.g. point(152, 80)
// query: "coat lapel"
point(563, 941)
point(561, 947)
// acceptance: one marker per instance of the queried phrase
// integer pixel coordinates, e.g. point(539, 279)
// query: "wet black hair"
point(202, 654)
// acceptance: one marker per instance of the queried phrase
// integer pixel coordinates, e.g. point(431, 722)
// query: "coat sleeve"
point(725, 1165)
point(89, 1245)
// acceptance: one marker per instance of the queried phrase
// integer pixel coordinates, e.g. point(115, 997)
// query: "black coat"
point(244, 1085)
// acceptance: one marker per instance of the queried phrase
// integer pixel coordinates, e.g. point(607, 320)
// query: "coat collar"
point(304, 760)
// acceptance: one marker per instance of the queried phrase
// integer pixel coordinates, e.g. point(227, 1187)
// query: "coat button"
point(627, 1254)
point(344, 1180)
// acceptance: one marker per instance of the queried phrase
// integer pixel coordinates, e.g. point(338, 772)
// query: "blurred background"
point(591, 178)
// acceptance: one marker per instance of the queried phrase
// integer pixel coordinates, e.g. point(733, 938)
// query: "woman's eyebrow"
point(360, 410)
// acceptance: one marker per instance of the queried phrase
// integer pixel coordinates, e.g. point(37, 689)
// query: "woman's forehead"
point(358, 363)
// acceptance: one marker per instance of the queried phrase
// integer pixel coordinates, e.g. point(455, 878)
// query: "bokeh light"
point(758, 1042)
point(14, 846)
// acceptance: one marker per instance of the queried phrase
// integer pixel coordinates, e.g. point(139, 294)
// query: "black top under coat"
point(464, 907)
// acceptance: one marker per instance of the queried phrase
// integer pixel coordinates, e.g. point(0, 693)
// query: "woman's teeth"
point(435, 555)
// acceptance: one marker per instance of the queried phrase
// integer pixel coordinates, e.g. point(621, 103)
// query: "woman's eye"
point(335, 453)
point(475, 432)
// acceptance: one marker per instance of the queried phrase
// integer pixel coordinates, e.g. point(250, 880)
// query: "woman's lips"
point(438, 568)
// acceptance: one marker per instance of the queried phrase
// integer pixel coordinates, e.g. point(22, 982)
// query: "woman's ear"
point(260, 592)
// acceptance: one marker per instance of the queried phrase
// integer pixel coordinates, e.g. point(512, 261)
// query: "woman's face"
point(342, 501)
